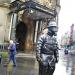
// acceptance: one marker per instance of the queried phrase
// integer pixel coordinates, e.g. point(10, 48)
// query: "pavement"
point(64, 66)
point(27, 65)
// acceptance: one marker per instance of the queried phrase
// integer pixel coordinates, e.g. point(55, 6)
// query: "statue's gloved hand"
point(56, 60)
point(39, 59)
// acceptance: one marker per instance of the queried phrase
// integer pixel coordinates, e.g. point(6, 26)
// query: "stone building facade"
point(14, 25)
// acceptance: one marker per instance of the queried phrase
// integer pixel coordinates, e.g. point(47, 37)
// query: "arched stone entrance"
point(21, 33)
point(24, 35)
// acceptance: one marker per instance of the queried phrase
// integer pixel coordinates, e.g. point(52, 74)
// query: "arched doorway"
point(24, 36)
point(21, 33)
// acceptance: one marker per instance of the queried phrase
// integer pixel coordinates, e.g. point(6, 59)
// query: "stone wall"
point(4, 24)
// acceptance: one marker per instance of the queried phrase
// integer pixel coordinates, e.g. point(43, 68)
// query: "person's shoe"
point(14, 65)
point(5, 65)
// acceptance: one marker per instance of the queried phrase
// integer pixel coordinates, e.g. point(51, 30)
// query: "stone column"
point(12, 26)
point(29, 38)
point(36, 31)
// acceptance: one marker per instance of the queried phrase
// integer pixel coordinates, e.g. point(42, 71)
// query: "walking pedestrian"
point(12, 52)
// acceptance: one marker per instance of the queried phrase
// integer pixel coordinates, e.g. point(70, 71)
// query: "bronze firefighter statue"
point(47, 50)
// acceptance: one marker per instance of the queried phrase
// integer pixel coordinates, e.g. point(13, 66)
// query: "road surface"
point(29, 66)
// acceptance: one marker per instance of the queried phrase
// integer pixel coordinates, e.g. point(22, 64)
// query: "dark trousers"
point(12, 57)
point(46, 70)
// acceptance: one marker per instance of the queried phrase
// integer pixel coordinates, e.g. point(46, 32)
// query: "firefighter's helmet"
point(52, 26)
